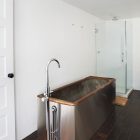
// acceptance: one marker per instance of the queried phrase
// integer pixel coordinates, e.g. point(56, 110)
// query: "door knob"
point(11, 75)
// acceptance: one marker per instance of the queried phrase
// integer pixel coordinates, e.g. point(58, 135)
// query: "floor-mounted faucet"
point(47, 94)
point(48, 91)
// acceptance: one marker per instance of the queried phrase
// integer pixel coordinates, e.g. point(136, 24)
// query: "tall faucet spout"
point(47, 75)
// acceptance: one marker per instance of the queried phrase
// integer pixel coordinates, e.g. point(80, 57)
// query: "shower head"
point(115, 18)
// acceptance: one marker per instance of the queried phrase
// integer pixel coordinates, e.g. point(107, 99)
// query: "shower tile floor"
point(122, 124)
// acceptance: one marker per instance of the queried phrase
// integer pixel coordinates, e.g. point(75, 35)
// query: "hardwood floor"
point(122, 124)
point(127, 120)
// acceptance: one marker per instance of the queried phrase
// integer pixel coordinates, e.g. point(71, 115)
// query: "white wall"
point(43, 30)
point(136, 53)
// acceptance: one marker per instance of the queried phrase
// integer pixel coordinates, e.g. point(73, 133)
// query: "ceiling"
point(107, 9)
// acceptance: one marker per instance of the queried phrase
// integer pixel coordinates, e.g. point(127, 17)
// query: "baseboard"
point(125, 95)
point(129, 92)
point(32, 136)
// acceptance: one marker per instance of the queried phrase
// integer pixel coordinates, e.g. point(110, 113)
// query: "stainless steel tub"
point(79, 109)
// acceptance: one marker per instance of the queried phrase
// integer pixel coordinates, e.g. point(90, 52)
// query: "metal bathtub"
point(79, 109)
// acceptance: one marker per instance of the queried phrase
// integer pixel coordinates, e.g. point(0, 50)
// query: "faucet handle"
point(43, 97)
point(52, 91)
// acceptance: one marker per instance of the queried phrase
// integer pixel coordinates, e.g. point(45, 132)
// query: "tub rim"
point(78, 101)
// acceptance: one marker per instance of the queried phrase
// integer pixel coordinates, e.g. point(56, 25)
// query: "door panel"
point(3, 97)
point(2, 37)
point(2, 8)
point(7, 111)
point(2, 66)
point(3, 125)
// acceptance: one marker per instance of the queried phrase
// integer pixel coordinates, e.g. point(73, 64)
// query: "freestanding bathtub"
point(79, 109)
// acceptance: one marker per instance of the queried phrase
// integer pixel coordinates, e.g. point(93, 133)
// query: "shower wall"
point(129, 49)
point(114, 53)
point(136, 53)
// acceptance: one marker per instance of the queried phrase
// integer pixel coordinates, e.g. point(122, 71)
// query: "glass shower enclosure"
point(114, 53)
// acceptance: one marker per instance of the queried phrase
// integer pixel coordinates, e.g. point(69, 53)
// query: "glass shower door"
point(111, 52)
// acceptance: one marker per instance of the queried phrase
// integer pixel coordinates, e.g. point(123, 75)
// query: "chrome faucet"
point(48, 91)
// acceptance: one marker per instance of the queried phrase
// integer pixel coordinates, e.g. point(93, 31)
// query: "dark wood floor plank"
point(127, 124)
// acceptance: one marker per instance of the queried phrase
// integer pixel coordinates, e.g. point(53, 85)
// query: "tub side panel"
point(93, 112)
point(67, 122)
point(42, 133)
